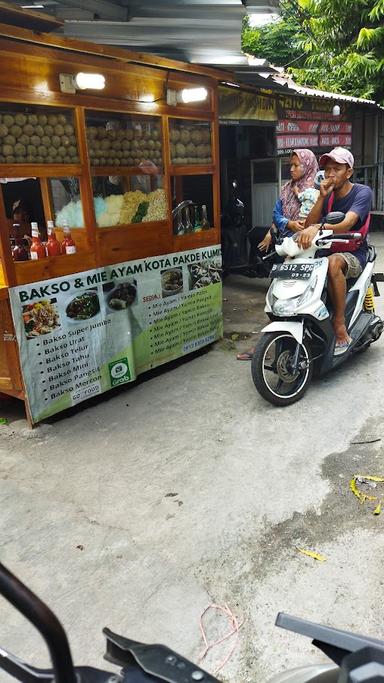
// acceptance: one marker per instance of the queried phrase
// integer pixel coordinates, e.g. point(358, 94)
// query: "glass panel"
point(66, 202)
point(37, 135)
point(23, 204)
point(190, 142)
point(120, 200)
point(192, 197)
point(124, 140)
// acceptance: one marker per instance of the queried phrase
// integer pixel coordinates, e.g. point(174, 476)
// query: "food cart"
point(107, 145)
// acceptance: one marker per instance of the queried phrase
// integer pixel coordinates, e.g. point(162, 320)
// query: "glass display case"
point(32, 134)
point(190, 142)
point(192, 203)
point(126, 199)
point(127, 140)
point(66, 202)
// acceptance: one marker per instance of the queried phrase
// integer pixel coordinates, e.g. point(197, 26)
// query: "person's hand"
point(149, 167)
point(296, 226)
point(295, 189)
point(265, 242)
point(306, 236)
point(326, 186)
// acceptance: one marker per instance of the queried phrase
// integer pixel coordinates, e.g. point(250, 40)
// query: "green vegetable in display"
point(141, 212)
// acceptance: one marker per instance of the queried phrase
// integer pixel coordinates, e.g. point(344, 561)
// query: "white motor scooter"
point(300, 339)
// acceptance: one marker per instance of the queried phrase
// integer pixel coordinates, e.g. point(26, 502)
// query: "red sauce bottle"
point(53, 246)
point(68, 245)
point(37, 249)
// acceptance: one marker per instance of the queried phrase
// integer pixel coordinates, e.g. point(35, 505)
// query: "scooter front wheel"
point(281, 368)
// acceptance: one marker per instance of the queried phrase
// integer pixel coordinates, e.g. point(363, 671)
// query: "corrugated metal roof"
point(197, 31)
point(312, 92)
point(200, 31)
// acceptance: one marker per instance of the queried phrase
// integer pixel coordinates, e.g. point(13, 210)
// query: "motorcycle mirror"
point(318, 178)
point(334, 217)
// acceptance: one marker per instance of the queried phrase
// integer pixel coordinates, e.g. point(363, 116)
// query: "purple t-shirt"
point(358, 200)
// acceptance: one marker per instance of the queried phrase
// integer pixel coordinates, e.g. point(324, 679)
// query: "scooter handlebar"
point(342, 237)
point(345, 236)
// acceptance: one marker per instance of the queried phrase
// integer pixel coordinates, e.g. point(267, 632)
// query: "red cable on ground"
point(235, 624)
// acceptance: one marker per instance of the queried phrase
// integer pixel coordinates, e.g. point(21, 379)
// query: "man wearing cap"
point(354, 200)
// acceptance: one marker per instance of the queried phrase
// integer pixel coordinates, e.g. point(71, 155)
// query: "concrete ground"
point(139, 510)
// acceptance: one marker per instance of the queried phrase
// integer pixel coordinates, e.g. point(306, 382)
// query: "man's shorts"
point(354, 268)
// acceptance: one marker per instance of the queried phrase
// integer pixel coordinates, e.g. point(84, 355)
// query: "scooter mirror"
point(334, 217)
point(318, 178)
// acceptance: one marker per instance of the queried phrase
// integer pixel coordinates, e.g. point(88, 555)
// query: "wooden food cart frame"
point(33, 64)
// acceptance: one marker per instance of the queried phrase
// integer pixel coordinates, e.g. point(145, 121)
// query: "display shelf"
point(133, 241)
point(192, 170)
point(193, 240)
point(39, 170)
point(53, 266)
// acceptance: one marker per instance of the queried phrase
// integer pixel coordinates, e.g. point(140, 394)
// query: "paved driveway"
point(139, 510)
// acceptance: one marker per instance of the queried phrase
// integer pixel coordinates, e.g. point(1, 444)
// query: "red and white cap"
point(340, 155)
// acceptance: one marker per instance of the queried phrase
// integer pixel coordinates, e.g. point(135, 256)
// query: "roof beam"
point(122, 55)
point(101, 9)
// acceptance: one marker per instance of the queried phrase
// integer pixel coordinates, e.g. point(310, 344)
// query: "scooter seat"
point(350, 282)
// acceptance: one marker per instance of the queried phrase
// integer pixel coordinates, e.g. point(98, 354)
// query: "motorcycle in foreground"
point(358, 659)
point(300, 339)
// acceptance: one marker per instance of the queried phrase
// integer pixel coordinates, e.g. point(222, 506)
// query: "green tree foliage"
point(334, 45)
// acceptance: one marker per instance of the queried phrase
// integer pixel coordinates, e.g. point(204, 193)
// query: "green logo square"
point(119, 372)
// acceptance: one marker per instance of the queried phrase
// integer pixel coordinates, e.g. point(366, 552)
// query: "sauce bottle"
point(19, 249)
point(187, 221)
point(204, 220)
point(197, 227)
point(53, 246)
point(68, 245)
point(37, 249)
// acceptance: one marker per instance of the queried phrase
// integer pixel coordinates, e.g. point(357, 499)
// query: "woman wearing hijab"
point(297, 196)
point(288, 215)
point(295, 199)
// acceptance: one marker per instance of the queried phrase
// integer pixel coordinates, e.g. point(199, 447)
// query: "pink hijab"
point(290, 203)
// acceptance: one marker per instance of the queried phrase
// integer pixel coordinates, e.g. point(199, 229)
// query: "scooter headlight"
point(290, 306)
point(286, 307)
point(269, 300)
point(304, 298)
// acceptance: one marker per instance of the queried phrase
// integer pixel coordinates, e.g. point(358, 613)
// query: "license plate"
point(292, 271)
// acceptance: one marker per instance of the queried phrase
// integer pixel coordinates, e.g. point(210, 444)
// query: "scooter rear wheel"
point(272, 368)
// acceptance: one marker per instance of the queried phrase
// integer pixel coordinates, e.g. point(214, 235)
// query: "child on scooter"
point(307, 199)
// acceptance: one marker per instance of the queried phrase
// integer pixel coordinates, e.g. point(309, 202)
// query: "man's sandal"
point(342, 347)
point(245, 355)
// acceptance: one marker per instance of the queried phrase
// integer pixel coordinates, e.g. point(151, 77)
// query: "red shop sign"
point(335, 127)
point(335, 140)
point(297, 141)
point(290, 126)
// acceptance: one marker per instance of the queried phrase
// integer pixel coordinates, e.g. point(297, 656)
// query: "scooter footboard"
point(296, 329)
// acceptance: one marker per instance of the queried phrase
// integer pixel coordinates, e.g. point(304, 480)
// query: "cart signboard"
point(83, 334)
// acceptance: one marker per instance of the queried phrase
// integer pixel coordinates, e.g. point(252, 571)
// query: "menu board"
point(82, 335)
